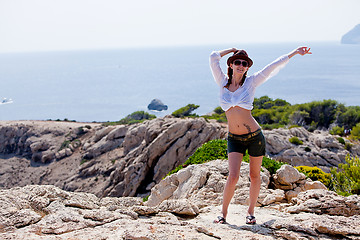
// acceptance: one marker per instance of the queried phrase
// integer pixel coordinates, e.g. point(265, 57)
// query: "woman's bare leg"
point(235, 159)
point(255, 166)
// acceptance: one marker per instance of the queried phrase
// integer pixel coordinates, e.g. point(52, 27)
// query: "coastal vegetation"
point(345, 179)
point(327, 114)
point(331, 115)
point(315, 174)
point(186, 111)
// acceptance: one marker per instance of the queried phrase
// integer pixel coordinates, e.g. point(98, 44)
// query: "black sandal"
point(220, 220)
point(250, 220)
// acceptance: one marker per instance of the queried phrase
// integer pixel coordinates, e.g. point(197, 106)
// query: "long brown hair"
point(230, 74)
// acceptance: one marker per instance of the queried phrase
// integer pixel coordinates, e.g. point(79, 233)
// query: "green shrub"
point(337, 131)
point(146, 198)
point(219, 110)
point(341, 140)
point(348, 146)
point(312, 127)
point(271, 165)
point(218, 115)
point(315, 174)
point(135, 117)
point(295, 140)
point(212, 150)
point(307, 149)
point(345, 180)
point(185, 111)
point(355, 132)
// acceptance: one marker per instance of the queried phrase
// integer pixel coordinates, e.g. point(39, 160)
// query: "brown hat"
point(240, 54)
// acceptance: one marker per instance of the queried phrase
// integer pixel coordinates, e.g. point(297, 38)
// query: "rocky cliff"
point(182, 206)
point(105, 160)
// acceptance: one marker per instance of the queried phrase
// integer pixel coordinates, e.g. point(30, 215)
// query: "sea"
point(108, 85)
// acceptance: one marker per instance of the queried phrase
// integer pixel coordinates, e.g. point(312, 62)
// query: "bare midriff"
point(240, 121)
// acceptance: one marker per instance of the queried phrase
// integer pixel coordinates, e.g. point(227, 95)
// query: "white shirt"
point(244, 95)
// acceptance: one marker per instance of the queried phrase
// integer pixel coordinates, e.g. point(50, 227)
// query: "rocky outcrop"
point(318, 149)
point(47, 212)
point(352, 37)
point(204, 184)
point(116, 160)
point(288, 179)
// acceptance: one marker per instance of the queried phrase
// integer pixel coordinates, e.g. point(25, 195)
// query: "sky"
point(47, 25)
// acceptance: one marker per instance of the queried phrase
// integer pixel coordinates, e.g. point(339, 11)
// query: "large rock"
point(318, 149)
point(154, 148)
point(158, 105)
point(287, 176)
point(321, 201)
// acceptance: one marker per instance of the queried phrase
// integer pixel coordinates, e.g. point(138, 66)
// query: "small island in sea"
point(352, 37)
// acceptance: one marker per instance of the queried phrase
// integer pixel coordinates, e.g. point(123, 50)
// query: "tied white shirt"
point(244, 95)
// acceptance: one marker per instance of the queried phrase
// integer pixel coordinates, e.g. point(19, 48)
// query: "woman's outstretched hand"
point(303, 50)
point(300, 50)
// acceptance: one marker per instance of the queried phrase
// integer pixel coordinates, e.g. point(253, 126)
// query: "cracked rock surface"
point(47, 212)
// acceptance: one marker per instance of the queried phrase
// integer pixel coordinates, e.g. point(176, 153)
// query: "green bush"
point(355, 132)
point(295, 140)
point(349, 116)
point(307, 149)
point(186, 111)
point(341, 140)
point(345, 180)
point(271, 165)
point(218, 115)
point(212, 150)
point(337, 131)
point(135, 117)
point(219, 110)
point(315, 174)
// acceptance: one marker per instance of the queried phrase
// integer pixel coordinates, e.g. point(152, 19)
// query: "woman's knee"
point(233, 178)
point(254, 175)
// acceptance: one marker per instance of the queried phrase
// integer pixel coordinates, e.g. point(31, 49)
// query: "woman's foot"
point(220, 220)
point(250, 220)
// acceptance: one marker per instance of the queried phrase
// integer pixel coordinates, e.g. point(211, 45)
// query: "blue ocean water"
point(107, 85)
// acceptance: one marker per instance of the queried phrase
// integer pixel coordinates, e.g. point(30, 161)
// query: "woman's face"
point(239, 66)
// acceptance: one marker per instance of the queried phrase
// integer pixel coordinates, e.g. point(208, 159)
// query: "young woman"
point(237, 92)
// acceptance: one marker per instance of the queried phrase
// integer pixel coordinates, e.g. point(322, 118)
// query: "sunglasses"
point(240, 62)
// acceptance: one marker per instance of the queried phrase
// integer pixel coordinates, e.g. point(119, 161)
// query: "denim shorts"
point(253, 142)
